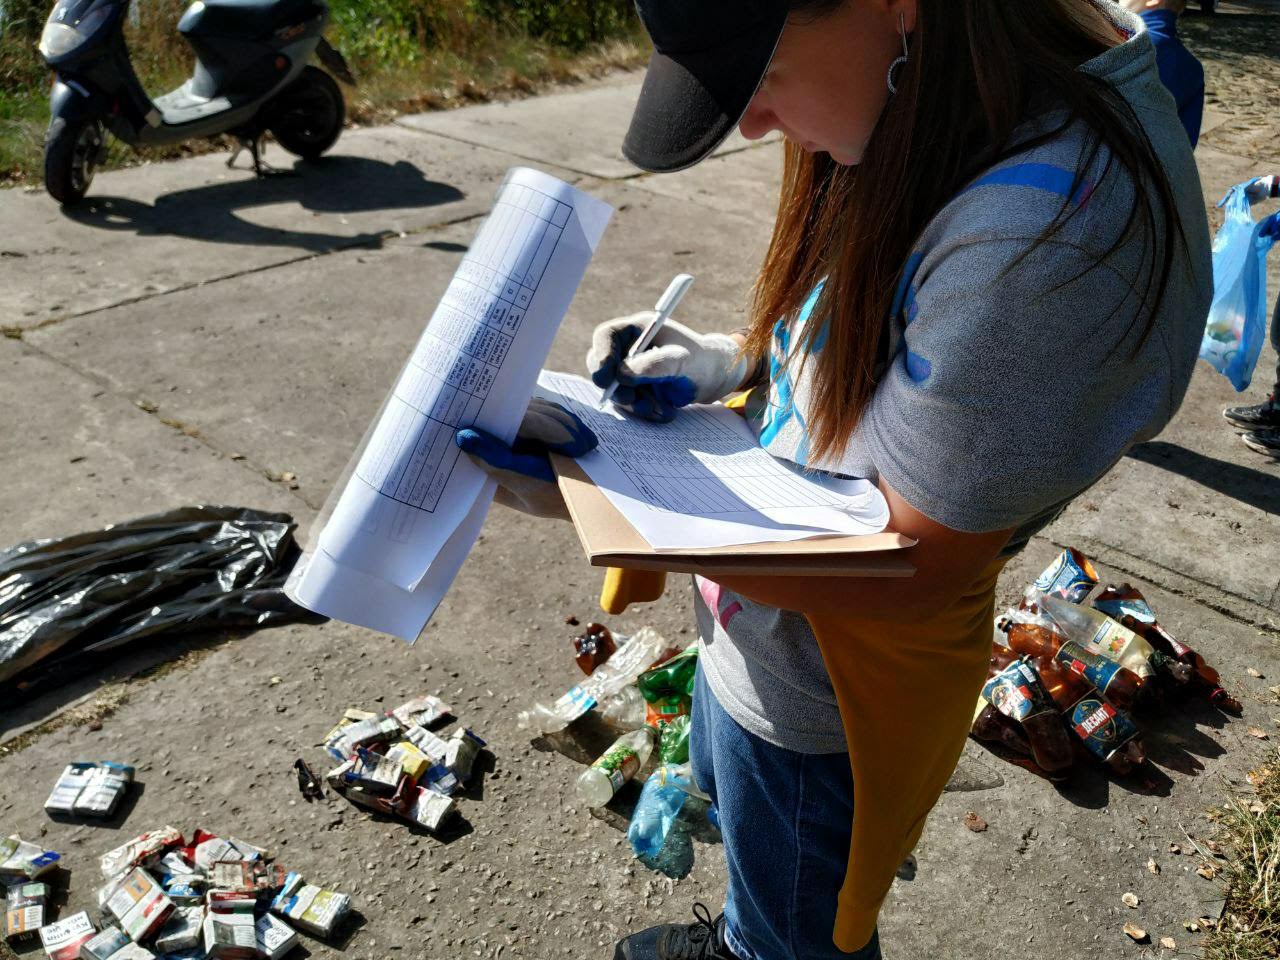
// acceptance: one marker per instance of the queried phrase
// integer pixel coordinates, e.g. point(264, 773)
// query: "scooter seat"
point(250, 19)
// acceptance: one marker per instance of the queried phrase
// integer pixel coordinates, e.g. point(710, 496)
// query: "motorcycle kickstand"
point(260, 167)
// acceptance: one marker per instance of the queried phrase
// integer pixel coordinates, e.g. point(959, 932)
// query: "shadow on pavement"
point(1257, 489)
point(330, 185)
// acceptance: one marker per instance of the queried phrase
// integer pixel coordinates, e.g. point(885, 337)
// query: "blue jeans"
point(786, 820)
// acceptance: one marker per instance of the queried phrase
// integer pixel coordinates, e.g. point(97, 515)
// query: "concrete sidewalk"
point(194, 333)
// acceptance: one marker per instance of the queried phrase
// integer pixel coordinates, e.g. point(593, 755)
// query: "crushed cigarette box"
point(62, 940)
point(130, 854)
point(207, 849)
point(104, 945)
point(374, 772)
point(436, 748)
point(139, 905)
point(430, 809)
point(421, 711)
point(412, 760)
point(315, 910)
point(232, 901)
point(182, 931)
point(463, 748)
point(229, 936)
point(24, 909)
point(252, 876)
point(22, 860)
point(275, 937)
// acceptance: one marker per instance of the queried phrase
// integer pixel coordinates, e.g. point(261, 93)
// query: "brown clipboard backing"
point(609, 540)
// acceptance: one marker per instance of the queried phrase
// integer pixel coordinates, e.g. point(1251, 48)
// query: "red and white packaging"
point(139, 905)
point(62, 940)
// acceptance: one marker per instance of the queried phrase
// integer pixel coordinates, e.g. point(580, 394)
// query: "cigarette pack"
point(336, 742)
point(436, 748)
point(430, 808)
point(464, 747)
point(24, 909)
point(441, 779)
point(129, 855)
point(275, 937)
point(315, 910)
point(131, 951)
point(104, 945)
point(232, 901)
point(62, 940)
point(422, 711)
point(24, 861)
point(412, 760)
point(182, 931)
point(139, 905)
point(374, 772)
point(89, 789)
point(252, 876)
point(230, 936)
point(207, 849)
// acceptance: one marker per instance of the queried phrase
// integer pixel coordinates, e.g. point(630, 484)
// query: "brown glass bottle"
point(1120, 686)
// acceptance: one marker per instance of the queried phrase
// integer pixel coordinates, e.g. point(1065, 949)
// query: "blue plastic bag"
point(1238, 315)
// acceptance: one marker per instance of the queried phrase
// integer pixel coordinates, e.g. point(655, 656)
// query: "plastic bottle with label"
point(622, 761)
point(631, 659)
point(1105, 674)
point(1098, 633)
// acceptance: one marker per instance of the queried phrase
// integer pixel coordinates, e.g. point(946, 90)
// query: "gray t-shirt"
point(1012, 387)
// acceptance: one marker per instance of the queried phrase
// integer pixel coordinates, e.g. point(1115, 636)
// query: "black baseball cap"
point(709, 58)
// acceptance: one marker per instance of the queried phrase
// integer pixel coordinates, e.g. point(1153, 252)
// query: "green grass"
point(1249, 837)
point(408, 55)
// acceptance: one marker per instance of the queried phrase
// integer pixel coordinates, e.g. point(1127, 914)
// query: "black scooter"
point(251, 76)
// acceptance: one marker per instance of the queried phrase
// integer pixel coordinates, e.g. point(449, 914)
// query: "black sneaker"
point(1263, 416)
point(703, 940)
point(1265, 442)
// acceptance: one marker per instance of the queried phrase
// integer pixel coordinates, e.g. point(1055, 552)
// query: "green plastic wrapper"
point(673, 740)
point(668, 689)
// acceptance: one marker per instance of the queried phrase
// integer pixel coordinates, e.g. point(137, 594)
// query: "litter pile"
point(1067, 677)
point(164, 897)
point(397, 765)
point(644, 687)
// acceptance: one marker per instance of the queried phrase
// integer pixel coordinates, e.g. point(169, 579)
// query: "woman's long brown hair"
point(979, 69)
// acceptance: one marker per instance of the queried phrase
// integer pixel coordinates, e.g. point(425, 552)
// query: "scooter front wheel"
point(307, 116)
point(72, 149)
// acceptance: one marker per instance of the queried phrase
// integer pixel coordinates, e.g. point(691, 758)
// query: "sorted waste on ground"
point(1067, 677)
point(397, 764)
point(164, 896)
point(642, 686)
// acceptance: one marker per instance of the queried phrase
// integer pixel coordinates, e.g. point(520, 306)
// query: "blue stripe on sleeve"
point(1040, 176)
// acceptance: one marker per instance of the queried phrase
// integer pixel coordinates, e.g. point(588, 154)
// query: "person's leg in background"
point(1265, 438)
point(786, 820)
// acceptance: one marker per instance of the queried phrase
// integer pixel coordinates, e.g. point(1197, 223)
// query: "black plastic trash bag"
point(193, 568)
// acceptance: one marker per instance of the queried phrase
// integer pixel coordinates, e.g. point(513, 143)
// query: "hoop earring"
point(902, 60)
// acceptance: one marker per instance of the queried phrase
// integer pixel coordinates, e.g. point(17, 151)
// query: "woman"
point(987, 280)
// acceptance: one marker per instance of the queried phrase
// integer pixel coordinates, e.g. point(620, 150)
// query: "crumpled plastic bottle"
point(660, 802)
point(633, 656)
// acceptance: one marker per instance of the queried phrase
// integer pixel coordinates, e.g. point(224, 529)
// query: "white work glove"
point(679, 367)
point(1263, 188)
point(526, 481)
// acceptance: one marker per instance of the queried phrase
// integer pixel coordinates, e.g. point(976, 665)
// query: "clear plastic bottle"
point(624, 709)
point(1098, 633)
point(600, 781)
point(630, 660)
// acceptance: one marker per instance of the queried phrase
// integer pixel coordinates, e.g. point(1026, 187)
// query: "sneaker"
point(703, 940)
point(1263, 416)
point(1265, 442)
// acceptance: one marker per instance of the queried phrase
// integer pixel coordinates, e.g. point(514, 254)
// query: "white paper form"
point(475, 364)
point(703, 480)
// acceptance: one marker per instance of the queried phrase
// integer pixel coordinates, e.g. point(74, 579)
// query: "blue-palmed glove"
point(526, 481)
point(680, 366)
point(1263, 188)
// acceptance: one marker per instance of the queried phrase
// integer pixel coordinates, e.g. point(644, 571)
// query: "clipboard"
point(609, 540)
